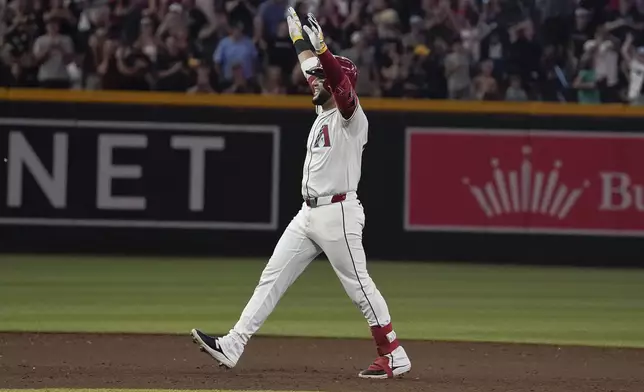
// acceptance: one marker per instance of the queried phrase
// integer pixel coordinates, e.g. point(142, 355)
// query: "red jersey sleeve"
point(343, 93)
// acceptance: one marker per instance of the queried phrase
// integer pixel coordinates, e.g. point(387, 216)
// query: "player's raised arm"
point(340, 85)
point(306, 56)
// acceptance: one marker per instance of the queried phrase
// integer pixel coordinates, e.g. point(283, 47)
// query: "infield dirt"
point(168, 361)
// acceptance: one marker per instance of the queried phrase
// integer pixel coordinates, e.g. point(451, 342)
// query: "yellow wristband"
point(297, 37)
point(323, 48)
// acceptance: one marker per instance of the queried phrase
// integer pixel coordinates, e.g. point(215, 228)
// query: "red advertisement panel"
point(525, 181)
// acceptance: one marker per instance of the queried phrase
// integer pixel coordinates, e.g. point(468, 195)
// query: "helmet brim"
point(317, 72)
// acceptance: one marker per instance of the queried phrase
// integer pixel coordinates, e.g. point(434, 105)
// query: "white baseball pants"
point(336, 230)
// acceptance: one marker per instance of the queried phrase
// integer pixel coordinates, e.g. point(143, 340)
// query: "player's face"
point(320, 94)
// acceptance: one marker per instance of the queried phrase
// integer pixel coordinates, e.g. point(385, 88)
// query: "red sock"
point(385, 337)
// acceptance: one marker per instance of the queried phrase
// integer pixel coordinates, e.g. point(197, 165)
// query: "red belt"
point(313, 202)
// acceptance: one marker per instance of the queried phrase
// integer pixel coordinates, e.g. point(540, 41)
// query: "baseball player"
point(331, 218)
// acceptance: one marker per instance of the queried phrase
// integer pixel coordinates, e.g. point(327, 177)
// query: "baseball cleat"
point(213, 347)
point(380, 369)
point(392, 365)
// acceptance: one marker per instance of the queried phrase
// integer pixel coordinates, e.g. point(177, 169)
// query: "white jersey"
point(333, 161)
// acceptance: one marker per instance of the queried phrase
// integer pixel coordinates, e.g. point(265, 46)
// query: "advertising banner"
point(164, 179)
point(67, 172)
point(524, 181)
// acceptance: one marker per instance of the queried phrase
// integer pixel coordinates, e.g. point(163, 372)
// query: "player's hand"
point(315, 35)
point(294, 24)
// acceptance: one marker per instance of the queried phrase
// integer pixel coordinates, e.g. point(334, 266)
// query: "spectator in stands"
point(586, 82)
point(298, 84)
point(173, 21)
point(634, 68)
point(20, 12)
point(67, 20)
point(332, 22)
point(99, 42)
point(605, 58)
point(148, 42)
point(93, 58)
point(435, 66)
point(241, 11)
point(417, 34)
point(485, 85)
point(107, 68)
point(555, 17)
point(493, 11)
point(627, 18)
point(200, 29)
point(172, 67)
point(354, 21)
point(525, 54)
point(441, 20)
point(199, 26)
point(158, 10)
point(391, 70)
point(364, 58)
point(125, 18)
point(553, 67)
point(399, 46)
point(269, 16)
point(203, 85)
point(222, 29)
point(279, 50)
point(236, 49)
point(473, 32)
point(273, 84)
point(239, 83)
point(515, 91)
point(53, 52)
point(457, 72)
point(19, 63)
point(583, 30)
point(415, 85)
point(134, 67)
point(370, 34)
point(374, 7)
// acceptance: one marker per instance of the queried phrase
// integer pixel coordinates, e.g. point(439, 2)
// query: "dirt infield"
point(160, 361)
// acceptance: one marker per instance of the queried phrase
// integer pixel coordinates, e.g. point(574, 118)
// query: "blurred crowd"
point(589, 51)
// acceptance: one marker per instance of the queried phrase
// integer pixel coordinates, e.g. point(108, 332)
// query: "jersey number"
point(324, 133)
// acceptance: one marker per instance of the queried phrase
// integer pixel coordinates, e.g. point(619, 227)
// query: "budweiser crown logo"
point(525, 190)
point(525, 181)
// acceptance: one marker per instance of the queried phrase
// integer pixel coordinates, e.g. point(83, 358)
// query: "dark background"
point(381, 191)
point(165, 175)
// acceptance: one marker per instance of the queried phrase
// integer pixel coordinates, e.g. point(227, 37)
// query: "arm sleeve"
point(343, 93)
point(307, 65)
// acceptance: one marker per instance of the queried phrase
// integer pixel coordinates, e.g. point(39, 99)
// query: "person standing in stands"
point(53, 52)
point(236, 49)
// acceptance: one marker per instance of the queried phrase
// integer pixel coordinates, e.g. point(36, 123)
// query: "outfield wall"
point(220, 175)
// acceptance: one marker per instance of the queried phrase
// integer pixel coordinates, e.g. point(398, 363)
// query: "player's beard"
point(321, 96)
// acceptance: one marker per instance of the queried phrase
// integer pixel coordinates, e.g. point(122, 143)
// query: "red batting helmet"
point(348, 67)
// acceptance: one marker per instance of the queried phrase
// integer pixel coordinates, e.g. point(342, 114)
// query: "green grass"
point(427, 301)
